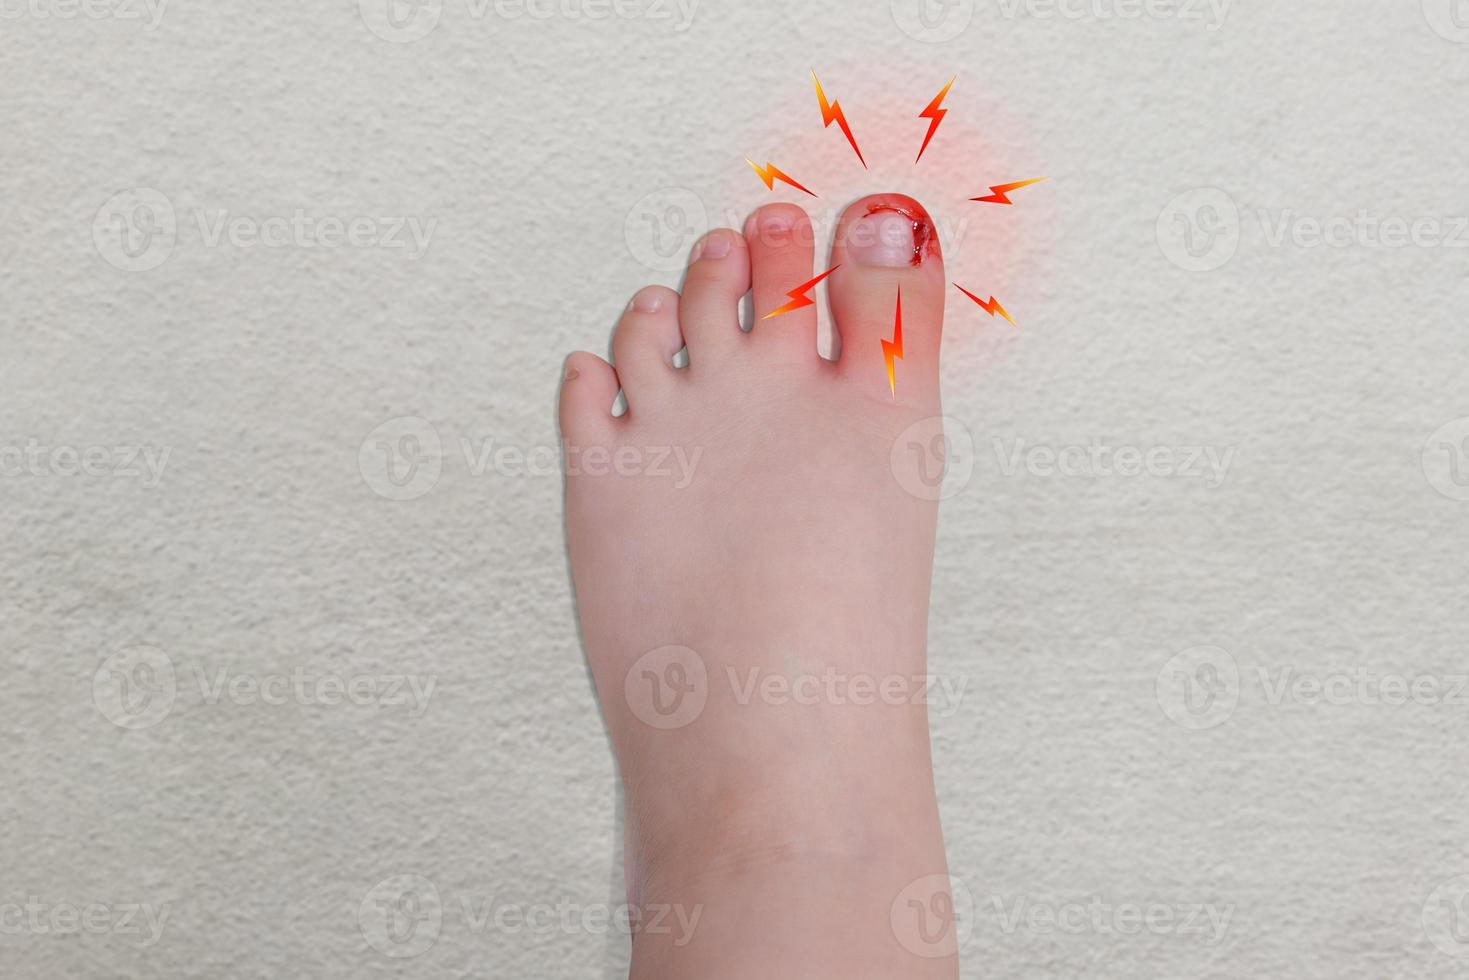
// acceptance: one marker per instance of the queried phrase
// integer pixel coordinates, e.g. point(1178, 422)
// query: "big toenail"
point(884, 238)
point(715, 246)
point(647, 301)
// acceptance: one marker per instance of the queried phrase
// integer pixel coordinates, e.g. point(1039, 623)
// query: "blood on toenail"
point(925, 242)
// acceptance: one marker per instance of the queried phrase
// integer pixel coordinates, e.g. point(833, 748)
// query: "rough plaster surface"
point(555, 159)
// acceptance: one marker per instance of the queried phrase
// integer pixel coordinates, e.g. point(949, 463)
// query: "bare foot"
point(753, 584)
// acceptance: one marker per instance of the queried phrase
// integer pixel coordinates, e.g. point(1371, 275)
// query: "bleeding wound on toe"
point(892, 236)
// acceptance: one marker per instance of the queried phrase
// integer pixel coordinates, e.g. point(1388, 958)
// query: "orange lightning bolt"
point(999, 193)
point(770, 173)
point(798, 296)
point(832, 112)
point(935, 115)
point(894, 348)
point(991, 306)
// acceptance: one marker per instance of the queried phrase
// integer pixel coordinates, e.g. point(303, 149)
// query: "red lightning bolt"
point(798, 296)
point(991, 306)
point(998, 193)
point(894, 348)
point(832, 112)
point(770, 173)
point(935, 115)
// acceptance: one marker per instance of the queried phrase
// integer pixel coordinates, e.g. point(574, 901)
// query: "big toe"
point(887, 297)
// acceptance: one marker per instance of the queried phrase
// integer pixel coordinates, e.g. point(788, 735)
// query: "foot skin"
point(753, 579)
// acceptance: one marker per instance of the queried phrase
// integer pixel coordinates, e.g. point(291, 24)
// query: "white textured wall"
point(529, 147)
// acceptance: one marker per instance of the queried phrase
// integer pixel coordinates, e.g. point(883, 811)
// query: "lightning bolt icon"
point(935, 115)
point(798, 296)
point(999, 193)
point(832, 112)
point(894, 348)
point(770, 173)
point(991, 306)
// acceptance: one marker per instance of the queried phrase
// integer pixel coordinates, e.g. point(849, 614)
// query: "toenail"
point(774, 226)
point(776, 220)
point(715, 245)
point(884, 238)
point(647, 301)
point(572, 374)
